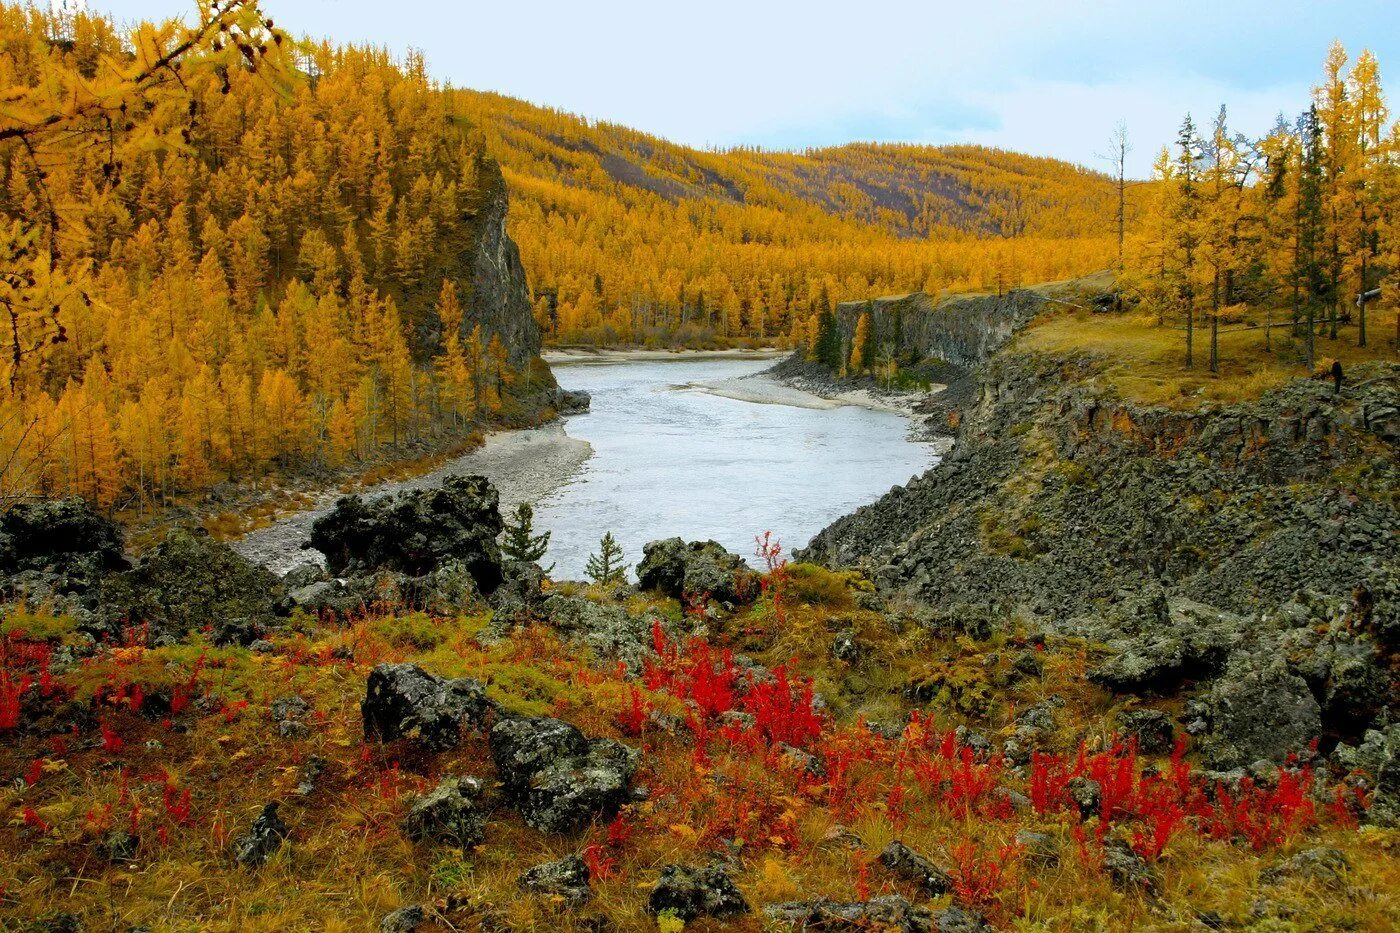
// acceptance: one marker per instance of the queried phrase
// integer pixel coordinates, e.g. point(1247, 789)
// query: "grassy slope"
point(348, 863)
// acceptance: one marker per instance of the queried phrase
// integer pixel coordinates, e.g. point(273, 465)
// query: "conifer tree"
point(606, 566)
point(519, 541)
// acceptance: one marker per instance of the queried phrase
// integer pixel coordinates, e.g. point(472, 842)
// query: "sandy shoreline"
point(572, 355)
point(524, 466)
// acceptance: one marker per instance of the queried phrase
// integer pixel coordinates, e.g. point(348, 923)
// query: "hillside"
point(290, 262)
point(631, 239)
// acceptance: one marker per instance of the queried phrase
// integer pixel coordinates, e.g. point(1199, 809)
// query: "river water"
point(671, 459)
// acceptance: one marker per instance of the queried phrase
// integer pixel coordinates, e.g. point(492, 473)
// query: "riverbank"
point(570, 355)
point(524, 466)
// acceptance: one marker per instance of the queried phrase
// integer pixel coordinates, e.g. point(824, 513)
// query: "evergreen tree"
point(607, 566)
point(519, 541)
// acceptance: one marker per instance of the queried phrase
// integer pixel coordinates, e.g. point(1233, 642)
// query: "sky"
point(1052, 77)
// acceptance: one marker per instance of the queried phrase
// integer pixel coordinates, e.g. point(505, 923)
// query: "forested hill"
point(292, 257)
point(630, 238)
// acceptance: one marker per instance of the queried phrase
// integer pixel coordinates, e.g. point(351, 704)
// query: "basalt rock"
point(572, 401)
point(189, 581)
point(689, 893)
point(1258, 709)
point(416, 532)
point(63, 544)
point(1322, 864)
point(567, 878)
point(682, 569)
point(907, 865)
point(559, 779)
point(449, 813)
point(610, 632)
point(403, 700)
point(262, 839)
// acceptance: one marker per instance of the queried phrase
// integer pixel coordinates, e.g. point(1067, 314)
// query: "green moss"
point(39, 626)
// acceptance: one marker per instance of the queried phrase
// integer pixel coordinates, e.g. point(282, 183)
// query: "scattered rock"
point(1040, 848)
point(845, 647)
point(558, 779)
point(404, 920)
point(416, 532)
point(1086, 794)
point(1258, 709)
point(188, 581)
point(448, 813)
point(521, 593)
point(887, 912)
point(1322, 864)
point(906, 864)
point(678, 568)
point(1127, 869)
point(689, 893)
point(403, 700)
point(957, 920)
point(262, 839)
point(567, 878)
point(1152, 729)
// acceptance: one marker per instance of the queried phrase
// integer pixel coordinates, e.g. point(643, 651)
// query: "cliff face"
point(1058, 497)
point(492, 280)
point(962, 330)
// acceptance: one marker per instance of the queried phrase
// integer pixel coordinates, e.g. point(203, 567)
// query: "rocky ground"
point(424, 735)
point(525, 466)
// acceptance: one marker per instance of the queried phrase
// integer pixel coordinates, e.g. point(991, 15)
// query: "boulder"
point(449, 814)
point(1156, 644)
point(609, 631)
point(907, 865)
point(567, 878)
point(886, 912)
point(521, 593)
point(1323, 864)
point(679, 569)
point(416, 532)
point(1258, 710)
point(403, 700)
point(189, 581)
point(64, 540)
point(262, 839)
point(1152, 729)
point(558, 779)
point(404, 920)
point(689, 893)
point(572, 401)
point(1379, 757)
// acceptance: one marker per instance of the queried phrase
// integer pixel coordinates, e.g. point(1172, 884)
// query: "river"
point(671, 459)
point(661, 454)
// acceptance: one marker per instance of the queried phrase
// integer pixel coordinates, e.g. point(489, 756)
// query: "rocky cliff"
point(963, 330)
point(1247, 552)
point(492, 283)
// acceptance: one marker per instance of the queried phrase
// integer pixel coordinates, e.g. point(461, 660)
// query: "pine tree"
point(519, 541)
point(1187, 218)
point(606, 566)
point(860, 345)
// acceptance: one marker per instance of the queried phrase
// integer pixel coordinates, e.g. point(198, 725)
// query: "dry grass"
point(348, 864)
point(1146, 363)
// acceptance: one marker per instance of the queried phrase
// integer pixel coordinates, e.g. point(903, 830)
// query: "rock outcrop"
point(417, 533)
point(559, 779)
point(405, 701)
point(963, 330)
point(684, 569)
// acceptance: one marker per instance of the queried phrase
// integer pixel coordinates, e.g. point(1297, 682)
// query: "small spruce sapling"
point(607, 566)
point(519, 541)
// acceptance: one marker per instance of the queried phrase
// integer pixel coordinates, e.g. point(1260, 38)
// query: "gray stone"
point(683, 569)
point(403, 700)
point(449, 813)
point(262, 839)
point(907, 865)
point(567, 878)
point(690, 893)
point(1323, 864)
point(558, 779)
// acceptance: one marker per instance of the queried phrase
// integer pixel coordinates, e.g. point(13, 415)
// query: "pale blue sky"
point(1050, 78)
